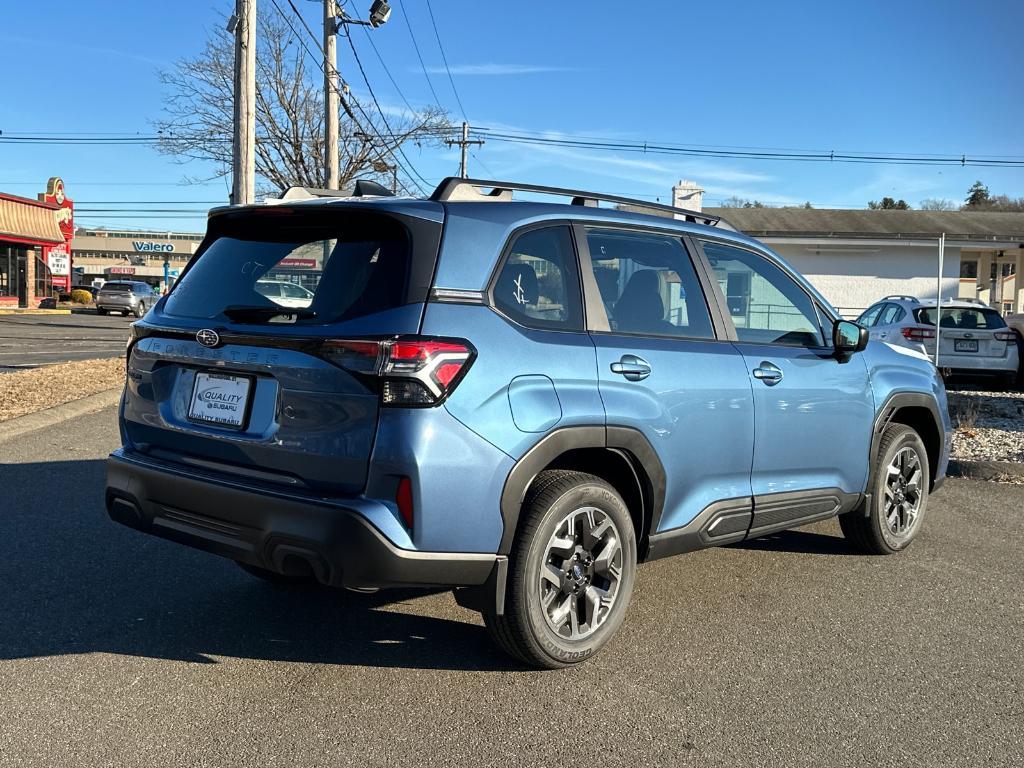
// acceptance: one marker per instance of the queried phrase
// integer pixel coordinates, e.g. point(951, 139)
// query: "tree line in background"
point(979, 198)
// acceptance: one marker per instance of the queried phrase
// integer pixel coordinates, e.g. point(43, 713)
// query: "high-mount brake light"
point(412, 371)
point(917, 334)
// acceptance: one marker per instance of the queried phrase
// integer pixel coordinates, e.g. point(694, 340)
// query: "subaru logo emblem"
point(208, 338)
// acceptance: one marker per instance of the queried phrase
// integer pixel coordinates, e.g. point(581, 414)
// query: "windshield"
point(340, 268)
point(963, 318)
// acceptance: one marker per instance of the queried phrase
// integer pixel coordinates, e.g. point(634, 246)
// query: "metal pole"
point(331, 101)
point(938, 297)
point(243, 148)
point(463, 172)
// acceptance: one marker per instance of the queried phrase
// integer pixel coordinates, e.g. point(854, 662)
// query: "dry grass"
point(40, 388)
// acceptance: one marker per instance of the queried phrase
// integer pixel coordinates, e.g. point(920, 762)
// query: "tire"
point(140, 310)
point(100, 311)
point(571, 571)
point(879, 533)
point(281, 579)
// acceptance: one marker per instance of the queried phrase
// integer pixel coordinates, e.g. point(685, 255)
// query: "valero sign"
point(147, 247)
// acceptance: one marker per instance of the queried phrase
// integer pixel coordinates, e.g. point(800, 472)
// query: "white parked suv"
point(973, 338)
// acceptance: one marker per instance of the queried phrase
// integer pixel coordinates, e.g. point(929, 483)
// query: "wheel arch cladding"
point(621, 456)
point(920, 413)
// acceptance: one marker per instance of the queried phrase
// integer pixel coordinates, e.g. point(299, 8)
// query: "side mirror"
point(848, 337)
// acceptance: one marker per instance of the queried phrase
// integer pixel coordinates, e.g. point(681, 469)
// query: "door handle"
point(768, 373)
point(632, 367)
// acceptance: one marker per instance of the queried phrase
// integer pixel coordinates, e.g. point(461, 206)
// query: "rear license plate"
point(965, 345)
point(218, 398)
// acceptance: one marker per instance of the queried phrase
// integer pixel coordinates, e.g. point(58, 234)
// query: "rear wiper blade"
point(242, 313)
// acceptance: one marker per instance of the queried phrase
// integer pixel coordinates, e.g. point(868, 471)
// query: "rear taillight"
point(1005, 336)
point(411, 371)
point(918, 334)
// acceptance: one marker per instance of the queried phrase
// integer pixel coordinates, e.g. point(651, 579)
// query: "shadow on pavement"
point(800, 542)
point(72, 581)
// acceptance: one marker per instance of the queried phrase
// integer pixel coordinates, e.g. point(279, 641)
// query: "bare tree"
point(289, 114)
point(938, 204)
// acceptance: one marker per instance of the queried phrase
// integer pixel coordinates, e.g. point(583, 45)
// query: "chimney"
point(686, 194)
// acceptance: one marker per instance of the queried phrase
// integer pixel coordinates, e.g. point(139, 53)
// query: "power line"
point(444, 58)
point(810, 156)
point(341, 96)
point(380, 111)
point(369, 39)
point(416, 47)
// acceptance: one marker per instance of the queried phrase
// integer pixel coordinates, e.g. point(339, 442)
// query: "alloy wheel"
point(581, 573)
point(904, 493)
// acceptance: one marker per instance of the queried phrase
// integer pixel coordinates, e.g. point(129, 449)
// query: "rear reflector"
point(403, 498)
point(917, 333)
point(411, 371)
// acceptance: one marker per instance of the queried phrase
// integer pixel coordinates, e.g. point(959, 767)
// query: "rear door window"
point(344, 266)
point(648, 284)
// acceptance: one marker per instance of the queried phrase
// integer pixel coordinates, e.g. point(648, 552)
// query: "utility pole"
point(331, 92)
point(243, 147)
point(464, 142)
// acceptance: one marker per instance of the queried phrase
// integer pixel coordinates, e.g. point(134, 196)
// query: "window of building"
point(648, 284)
point(766, 305)
point(539, 284)
point(969, 269)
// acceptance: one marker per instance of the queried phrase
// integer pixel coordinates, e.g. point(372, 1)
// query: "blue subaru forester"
point(520, 400)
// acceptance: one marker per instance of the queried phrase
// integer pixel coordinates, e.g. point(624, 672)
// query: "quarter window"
point(539, 284)
point(648, 284)
point(766, 305)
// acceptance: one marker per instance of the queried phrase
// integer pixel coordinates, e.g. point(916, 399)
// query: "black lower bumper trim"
point(340, 546)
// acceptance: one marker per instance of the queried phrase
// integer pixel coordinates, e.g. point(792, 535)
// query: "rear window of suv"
point(111, 287)
point(963, 318)
point(326, 267)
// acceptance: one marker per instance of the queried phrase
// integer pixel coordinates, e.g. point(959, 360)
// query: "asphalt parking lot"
point(120, 649)
point(29, 341)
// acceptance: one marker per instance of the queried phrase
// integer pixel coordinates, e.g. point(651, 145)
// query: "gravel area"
point(989, 426)
point(33, 390)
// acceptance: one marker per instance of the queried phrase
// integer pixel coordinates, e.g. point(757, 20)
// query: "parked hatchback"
point(518, 400)
point(124, 296)
point(973, 338)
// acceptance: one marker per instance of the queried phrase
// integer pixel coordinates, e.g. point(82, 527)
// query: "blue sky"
point(912, 77)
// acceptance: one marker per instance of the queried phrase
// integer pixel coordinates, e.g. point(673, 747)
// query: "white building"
point(854, 257)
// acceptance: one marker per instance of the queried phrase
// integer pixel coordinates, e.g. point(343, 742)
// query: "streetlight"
point(380, 12)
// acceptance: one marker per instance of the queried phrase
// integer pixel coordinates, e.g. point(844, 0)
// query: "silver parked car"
point(124, 296)
point(973, 338)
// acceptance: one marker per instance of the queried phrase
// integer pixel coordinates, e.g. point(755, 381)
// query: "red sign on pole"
point(58, 257)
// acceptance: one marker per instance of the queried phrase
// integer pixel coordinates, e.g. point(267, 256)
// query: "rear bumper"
point(279, 532)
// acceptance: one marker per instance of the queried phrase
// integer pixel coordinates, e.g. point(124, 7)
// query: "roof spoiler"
point(454, 188)
point(362, 188)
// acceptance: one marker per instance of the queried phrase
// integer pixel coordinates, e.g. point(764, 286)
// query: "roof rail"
point(901, 297)
point(362, 188)
point(974, 300)
point(455, 188)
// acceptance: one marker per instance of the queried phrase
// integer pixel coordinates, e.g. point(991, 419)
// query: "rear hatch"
point(966, 333)
point(248, 366)
point(115, 293)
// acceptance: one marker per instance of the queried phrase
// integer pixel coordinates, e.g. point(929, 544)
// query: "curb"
point(30, 422)
point(35, 311)
point(985, 470)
